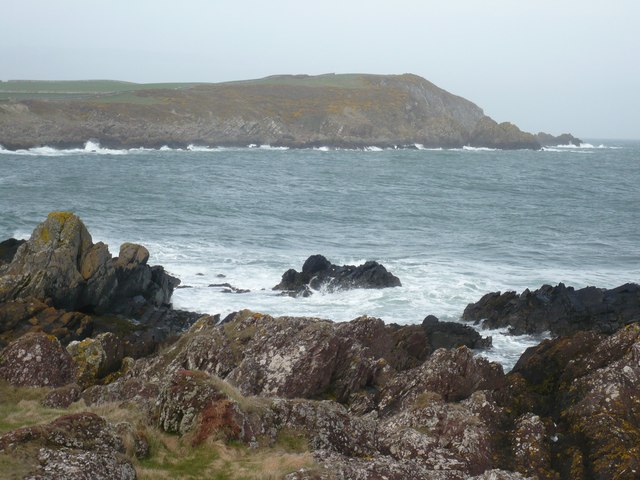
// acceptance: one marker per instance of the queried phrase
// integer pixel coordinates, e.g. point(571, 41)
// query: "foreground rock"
point(36, 360)
point(79, 446)
point(561, 310)
point(395, 409)
point(319, 273)
point(371, 400)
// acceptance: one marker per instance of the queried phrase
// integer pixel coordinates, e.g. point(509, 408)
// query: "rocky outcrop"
point(78, 446)
point(60, 264)
point(488, 133)
point(576, 400)
point(36, 360)
point(348, 111)
point(561, 310)
point(547, 140)
point(452, 335)
point(61, 283)
point(319, 273)
point(367, 402)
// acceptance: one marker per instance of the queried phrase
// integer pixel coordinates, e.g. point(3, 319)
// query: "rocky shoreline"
point(126, 387)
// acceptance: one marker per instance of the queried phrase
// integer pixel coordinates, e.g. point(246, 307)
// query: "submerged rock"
point(561, 310)
point(318, 273)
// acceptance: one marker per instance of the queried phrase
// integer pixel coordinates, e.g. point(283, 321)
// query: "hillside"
point(289, 110)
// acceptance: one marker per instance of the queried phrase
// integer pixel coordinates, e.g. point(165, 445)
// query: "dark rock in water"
point(318, 272)
point(228, 288)
point(60, 262)
point(561, 310)
point(547, 140)
point(8, 249)
point(452, 335)
point(36, 360)
point(79, 446)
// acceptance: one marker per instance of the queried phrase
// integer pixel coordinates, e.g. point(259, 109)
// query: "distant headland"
point(296, 111)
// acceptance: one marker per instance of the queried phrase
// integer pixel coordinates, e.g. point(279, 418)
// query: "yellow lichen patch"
point(61, 217)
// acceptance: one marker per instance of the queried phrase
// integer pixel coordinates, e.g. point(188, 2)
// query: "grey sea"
point(451, 224)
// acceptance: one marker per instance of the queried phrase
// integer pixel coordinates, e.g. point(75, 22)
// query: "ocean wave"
point(420, 146)
point(588, 146)
point(89, 147)
point(467, 148)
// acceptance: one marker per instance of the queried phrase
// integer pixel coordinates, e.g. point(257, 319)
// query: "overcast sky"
point(558, 66)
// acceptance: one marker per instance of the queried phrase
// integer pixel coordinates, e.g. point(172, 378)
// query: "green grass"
point(79, 89)
point(352, 80)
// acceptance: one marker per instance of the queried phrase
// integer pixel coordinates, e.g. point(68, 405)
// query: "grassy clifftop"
point(291, 110)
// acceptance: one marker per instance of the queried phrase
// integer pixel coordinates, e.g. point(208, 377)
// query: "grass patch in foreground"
point(174, 458)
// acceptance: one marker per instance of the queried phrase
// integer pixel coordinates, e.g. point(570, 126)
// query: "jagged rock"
point(561, 310)
point(547, 140)
point(36, 360)
point(488, 133)
point(62, 397)
point(31, 315)
point(61, 263)
point(8, 249)
point(97, 357)
point(452, 335)
point(189, 400)
point(453, 374)
point(318, 272)
point(287, 356)
point(532, 447)
point(586, 391)
point(79, 446)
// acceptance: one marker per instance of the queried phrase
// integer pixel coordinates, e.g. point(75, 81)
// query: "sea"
point(451, 224)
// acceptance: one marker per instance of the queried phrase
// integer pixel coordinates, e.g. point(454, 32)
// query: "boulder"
point(318, 273)
point(191, 401)
point(96, 358)
point(452, 335)
point(60, 264)
point(561, 310)
point(81, 446)
point(36, 360)
point(62, 397)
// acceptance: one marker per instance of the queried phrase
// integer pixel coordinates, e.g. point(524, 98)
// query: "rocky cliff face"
point(296, 111)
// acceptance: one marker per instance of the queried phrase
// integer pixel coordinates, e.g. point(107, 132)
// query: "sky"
point(556, 66)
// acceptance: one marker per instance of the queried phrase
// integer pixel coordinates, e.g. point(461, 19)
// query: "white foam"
point(420, 146)
point(373, 149)
point(467, 148)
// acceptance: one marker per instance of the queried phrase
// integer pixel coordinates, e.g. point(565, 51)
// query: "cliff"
point(347, 111)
